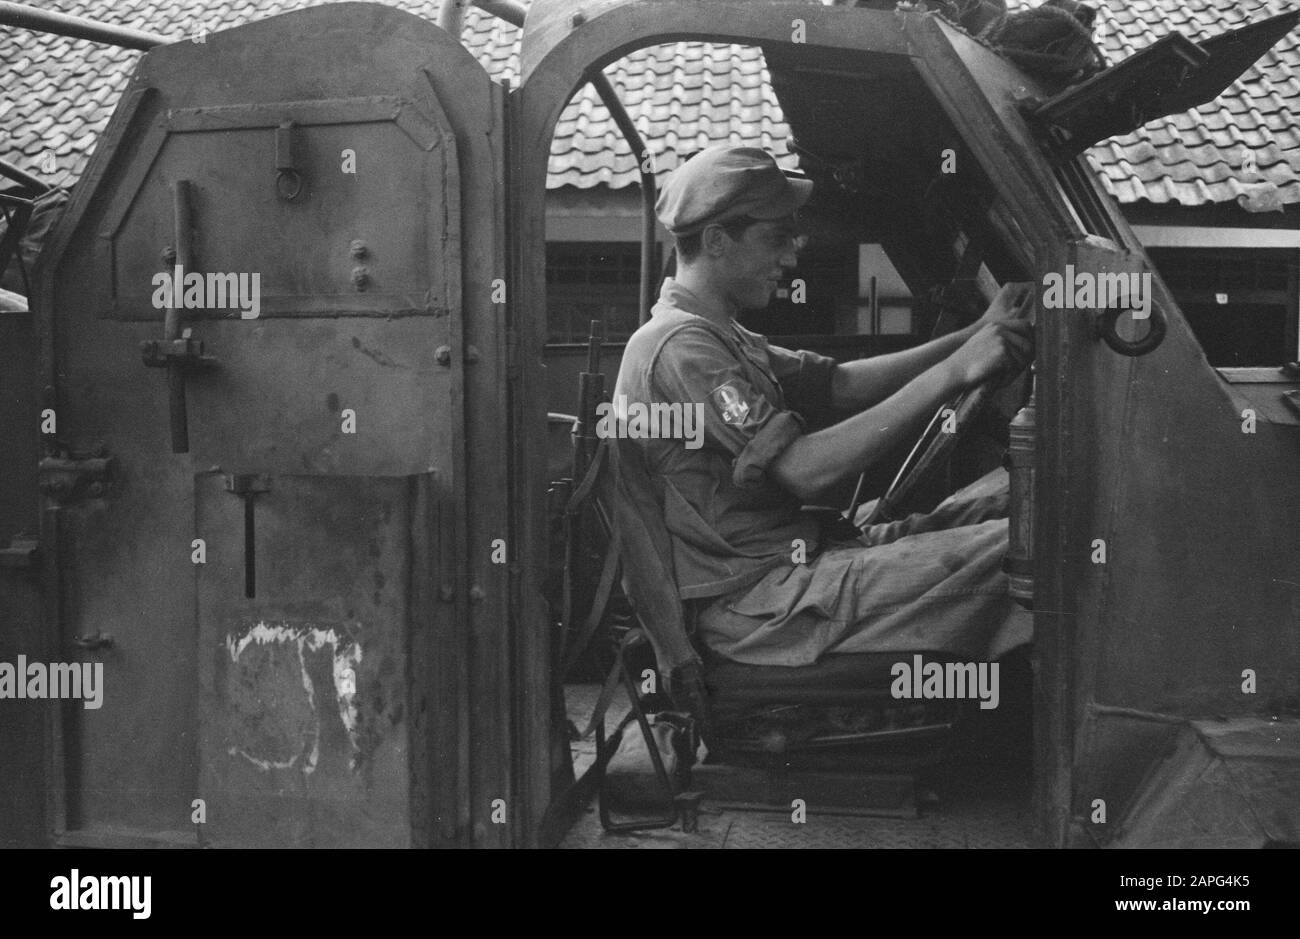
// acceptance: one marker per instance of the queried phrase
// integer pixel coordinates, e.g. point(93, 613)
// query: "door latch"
point(66, 479)
point(248, 486)
point(176, 351)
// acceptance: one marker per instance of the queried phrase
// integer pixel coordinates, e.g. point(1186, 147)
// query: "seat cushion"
point(835, 679)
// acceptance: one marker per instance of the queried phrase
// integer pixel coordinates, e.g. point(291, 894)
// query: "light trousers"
point(929, 583)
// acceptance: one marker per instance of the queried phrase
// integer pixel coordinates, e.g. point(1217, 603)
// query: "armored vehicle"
point(297, 505)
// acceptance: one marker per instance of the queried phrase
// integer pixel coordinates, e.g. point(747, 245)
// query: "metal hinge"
point(75, 477)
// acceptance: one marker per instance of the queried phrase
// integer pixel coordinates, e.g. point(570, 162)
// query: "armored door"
point(258, 317)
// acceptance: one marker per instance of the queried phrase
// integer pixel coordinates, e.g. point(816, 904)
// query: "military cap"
point(726, 182)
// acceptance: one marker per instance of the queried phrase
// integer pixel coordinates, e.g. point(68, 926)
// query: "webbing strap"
point(598, 604)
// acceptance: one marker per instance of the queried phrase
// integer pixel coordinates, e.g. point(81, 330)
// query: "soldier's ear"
point(714, 240)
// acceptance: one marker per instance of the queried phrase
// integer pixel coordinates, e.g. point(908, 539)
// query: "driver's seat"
point(774, 718)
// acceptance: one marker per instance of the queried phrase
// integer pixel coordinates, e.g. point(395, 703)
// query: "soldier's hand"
point(1002, 344)
point(1013, 302)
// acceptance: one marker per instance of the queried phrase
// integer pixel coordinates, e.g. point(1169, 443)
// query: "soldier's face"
point(758, 259)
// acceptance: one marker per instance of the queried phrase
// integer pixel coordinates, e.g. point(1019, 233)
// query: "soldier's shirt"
point(729, 522)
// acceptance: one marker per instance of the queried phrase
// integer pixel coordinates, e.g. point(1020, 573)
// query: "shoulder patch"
point(730, 401)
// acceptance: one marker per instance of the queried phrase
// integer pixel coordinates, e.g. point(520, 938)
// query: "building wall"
point(1247, 318)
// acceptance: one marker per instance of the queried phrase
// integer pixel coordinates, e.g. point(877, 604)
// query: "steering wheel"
point(934, 445)
point(931, 451)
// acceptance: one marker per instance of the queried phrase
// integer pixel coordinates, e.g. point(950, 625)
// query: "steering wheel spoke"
point(931, 451)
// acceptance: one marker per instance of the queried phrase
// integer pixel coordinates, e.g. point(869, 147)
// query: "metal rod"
point(250, 547)
point(875, 307)
point(647, 246)
point(16, 202)
point(181, 223)
point(62, 24)
point(26, 179)
point(633, 138)
point(451, 13)
point(595, 337)
point(508, 10)
point(172, 319)
point(591, 389)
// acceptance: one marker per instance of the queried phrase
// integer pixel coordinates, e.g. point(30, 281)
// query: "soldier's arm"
point(812, 462)
point(815, 461)
point(860, 384)
point(864, 382)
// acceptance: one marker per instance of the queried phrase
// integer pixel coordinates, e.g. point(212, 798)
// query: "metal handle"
point(1156, 329)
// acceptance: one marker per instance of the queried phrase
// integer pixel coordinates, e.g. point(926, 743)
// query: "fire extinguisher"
point(1019, 562)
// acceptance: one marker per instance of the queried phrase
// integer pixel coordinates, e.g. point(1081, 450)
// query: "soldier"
point(767, 588)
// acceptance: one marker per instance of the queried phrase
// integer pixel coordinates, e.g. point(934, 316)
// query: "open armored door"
point(1151, 596)
point(1171, 75)
point(1162, 559)
point(265, 538)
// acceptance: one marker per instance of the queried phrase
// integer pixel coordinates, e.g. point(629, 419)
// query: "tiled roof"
point(1197, 156)
point(60, 92)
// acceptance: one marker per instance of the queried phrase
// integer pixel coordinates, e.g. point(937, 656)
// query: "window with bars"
point(1242, 304)
point(829, 303)
point(587, 280)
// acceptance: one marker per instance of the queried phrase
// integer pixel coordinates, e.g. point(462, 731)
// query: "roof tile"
point(684, 101)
